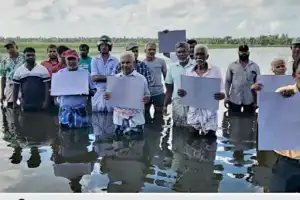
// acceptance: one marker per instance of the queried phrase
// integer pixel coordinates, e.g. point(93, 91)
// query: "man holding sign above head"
point(72, 107)
point(129, 120)
point(102, 66)
point(173, 83)
point(204, 121)
point(33, 80)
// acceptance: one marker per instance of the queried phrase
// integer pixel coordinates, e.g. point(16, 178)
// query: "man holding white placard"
point(129, 120)
point(72, 106)
point(286, 171)
point(204, 121)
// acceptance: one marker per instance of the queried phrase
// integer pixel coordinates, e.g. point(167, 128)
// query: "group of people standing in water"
point(26, 81)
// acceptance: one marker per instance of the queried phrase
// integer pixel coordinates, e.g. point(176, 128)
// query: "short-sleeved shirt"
point(74, 100)
point(9, 66)
point(174, 72)
point(32, 84)
point(51, 66)
point(85, 63)
point(239, 80)
point(98, 67)
point(157, 67)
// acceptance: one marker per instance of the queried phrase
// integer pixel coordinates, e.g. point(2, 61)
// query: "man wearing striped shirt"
point(139, 66)
point(33, 80)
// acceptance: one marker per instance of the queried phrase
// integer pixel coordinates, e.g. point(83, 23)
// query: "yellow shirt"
point(289, 153)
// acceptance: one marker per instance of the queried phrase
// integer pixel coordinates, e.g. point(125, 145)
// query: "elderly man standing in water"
point(240, 76)
point(102, 66)
point(204, 121)
point(130, 121)
point(158, 68)
point(8, 66)
point(295, 47)
point(173, 83)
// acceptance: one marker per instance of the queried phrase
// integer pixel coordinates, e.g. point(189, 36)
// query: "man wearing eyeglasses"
point(8, 67)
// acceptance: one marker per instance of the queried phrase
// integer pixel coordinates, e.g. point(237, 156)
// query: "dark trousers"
point(285, 175)
point(250, 109)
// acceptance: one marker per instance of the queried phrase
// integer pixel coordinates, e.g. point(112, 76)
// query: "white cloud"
point(133, 18)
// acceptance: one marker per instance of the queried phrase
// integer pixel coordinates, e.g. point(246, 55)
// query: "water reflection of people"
point(194, 163)
point(240, 130)
point(71, 157)
point(126, 168)
point(22, 131)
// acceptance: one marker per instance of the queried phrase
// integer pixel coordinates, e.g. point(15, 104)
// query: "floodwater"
point(37, 156)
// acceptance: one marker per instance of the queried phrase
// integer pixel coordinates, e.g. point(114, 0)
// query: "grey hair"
point(127, 54)
point(149, 43)
point(276, 60)
point(202, 47)
point(182, 45)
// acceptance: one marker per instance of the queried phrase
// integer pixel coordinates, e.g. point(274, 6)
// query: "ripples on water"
point(38, 156)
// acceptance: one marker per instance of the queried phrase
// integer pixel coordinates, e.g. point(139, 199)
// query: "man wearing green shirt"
point(85, 59)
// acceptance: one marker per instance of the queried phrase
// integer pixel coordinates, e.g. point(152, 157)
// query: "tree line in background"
point(263, 40)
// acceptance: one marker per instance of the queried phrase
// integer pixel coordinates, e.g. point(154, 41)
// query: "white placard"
point(70, 83)
point(278, 122)
point(200, 92)
point(272, 82)
point(126, 92)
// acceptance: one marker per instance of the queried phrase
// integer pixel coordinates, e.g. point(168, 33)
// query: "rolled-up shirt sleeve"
point(94, 69)
point(169, 79)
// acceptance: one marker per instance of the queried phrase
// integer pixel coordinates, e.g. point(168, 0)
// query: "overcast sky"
point(143, 18)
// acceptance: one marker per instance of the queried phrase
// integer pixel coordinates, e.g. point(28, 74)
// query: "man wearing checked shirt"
point(139, 66)
point(8, 66)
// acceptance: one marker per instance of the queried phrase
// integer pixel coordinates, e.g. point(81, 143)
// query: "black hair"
point(191, 41)
point(296, 65)
point(29, 50)
point(51, 46)
point(61, 49)
point(84, 46)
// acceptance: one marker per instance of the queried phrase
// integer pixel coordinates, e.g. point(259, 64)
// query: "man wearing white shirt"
point(295, 47)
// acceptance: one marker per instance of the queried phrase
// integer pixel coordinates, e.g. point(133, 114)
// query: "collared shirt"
point(32, 84)
point(51, 66)
point(174, 72)
point(9, 66)
point(239, 80)
point(99, 67)
point(138, 117)
point(204, 119)
point(85, 63)
point(157, 67)
point(294, 154)
point(73, 100)
point(289, 65)
point(141, 68)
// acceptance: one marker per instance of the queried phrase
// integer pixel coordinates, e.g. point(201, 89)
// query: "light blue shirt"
point(98, 67)
point(74, 100)
point(174, 72)
point(138, 118)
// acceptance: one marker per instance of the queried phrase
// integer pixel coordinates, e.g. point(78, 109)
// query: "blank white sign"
point(70, 83)
point(126, 92)
point(200, 92)
point(272, 82)
point(278, 122)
